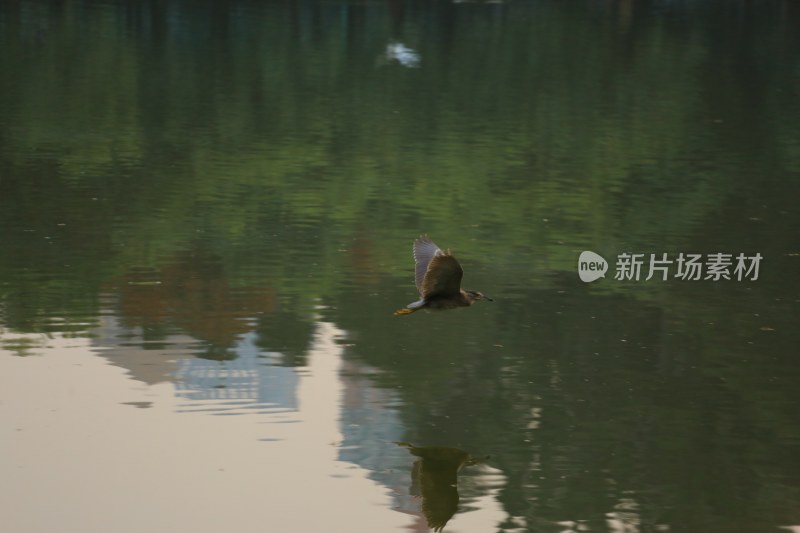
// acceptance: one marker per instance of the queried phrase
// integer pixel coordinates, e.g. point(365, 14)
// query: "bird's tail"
point(410, 308)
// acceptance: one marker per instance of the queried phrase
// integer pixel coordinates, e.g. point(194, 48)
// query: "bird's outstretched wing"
point(424, 250)
point(437, 273)
point(443, 277)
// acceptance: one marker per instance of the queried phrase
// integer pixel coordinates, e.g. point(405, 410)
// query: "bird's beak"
point(487, 298)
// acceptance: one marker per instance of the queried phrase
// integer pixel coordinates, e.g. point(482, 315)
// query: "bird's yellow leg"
point(404, 311)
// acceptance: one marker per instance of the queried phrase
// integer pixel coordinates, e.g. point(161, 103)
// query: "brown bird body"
point(438, 278)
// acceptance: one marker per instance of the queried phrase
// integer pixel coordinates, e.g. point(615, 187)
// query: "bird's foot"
point(404, 311)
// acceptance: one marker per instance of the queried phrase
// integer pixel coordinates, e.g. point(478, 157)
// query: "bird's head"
point(474, 296)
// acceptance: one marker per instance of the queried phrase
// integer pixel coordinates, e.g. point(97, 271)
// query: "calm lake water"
point(206, 215)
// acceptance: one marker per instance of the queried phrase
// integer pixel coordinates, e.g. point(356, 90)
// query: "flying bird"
point(438, 278)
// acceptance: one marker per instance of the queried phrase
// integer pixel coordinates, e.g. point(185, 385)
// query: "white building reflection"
point(334, 388)
point(253, 380)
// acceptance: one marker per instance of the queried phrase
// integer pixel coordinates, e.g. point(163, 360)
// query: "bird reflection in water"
point(434, 479)
point(438, 278)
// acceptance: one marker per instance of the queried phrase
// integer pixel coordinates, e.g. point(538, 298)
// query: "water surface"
point(207, 210)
